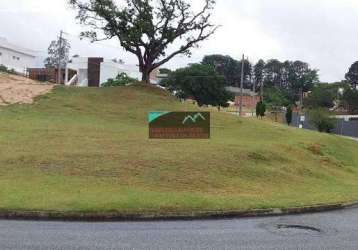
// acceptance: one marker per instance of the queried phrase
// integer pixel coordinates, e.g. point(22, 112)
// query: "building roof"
point(5, 44)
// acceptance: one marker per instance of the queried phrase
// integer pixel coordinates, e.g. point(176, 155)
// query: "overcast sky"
point(323, 33)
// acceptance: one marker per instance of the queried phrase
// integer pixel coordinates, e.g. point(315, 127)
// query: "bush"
point(3, 68)
point(322, 120)
point(122, 79)
point(289, 115)
point(260, 109)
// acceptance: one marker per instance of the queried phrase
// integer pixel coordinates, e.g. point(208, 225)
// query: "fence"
point(343, 127)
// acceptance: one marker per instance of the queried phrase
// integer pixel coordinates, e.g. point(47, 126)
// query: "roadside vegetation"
point(87, 150)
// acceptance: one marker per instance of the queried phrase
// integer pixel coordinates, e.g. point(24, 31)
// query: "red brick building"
point(248, 102)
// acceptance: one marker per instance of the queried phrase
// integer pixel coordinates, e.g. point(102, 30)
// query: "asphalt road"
point(332, 230)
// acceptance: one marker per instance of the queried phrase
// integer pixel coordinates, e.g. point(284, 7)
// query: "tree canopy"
point(352, 75)
point(322, 95)
point(230, 69)
point(201, 82)
point(146, 28)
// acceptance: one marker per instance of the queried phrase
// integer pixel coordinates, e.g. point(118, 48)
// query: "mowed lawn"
point(87, 150)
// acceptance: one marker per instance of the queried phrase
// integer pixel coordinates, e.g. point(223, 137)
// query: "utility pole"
point(241, 84)
point(59, 73)
point(262, 90)
point(253, 92)
point(301, 98)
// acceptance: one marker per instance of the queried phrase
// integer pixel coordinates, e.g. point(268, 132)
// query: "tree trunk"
point(146, 76)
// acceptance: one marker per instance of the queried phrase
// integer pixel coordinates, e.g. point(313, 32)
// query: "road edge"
point(206, 215)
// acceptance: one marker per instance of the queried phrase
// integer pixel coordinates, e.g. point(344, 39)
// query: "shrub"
point(289, 115)
point(122, 79)
point(3, 68)
point(260, 109)
point(322, 120)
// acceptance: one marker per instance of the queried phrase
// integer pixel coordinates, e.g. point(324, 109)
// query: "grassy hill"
point(87, 150)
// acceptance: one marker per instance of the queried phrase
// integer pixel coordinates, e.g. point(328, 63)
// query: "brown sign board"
point(179, 125)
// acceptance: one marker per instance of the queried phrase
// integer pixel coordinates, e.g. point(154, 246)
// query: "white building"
point(94, 71)
point(14, 57)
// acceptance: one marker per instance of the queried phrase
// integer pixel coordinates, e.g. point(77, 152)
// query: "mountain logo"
point(193, 118)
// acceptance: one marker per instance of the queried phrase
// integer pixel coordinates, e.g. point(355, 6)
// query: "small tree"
point(289, 115)
point(200, 82)
point(322, 120)
point(58, 51)
point(146, 28)
point(260, 109)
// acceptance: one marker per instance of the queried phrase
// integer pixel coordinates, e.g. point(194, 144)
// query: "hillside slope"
point(83, 149)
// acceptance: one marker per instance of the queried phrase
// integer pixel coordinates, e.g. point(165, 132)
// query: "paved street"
point(332, 230)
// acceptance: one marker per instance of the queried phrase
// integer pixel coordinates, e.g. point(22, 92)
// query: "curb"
point(207, 215)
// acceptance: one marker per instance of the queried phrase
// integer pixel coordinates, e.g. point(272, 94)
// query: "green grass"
point(87, 150)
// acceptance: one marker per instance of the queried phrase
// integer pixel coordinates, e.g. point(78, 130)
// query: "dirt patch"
point(18, 89)
point(316, 149)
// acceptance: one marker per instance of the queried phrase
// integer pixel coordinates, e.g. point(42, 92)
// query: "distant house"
point(249, 98)
point(15, 57)
point(94, 71)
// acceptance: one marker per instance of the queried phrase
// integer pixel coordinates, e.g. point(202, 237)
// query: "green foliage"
point(4, 69)
point(350, 100)
point(260, 109)
point(352, 75)
point(322, 95)
point(289, 76)
point(164, 71)
point(200, 82)
point(289, 115)
point(259, 75)
point(275, 97)
point(230, 69)
point(121, 79)
point(322, 120)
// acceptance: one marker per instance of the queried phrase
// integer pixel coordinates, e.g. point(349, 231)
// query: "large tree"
point(230, 69)
point(352, 75)
point(146, 28)
point(58, 52)
point(201, 82)
point(301, 78)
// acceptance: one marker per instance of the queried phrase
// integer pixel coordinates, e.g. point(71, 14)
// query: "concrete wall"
point(16, 60)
